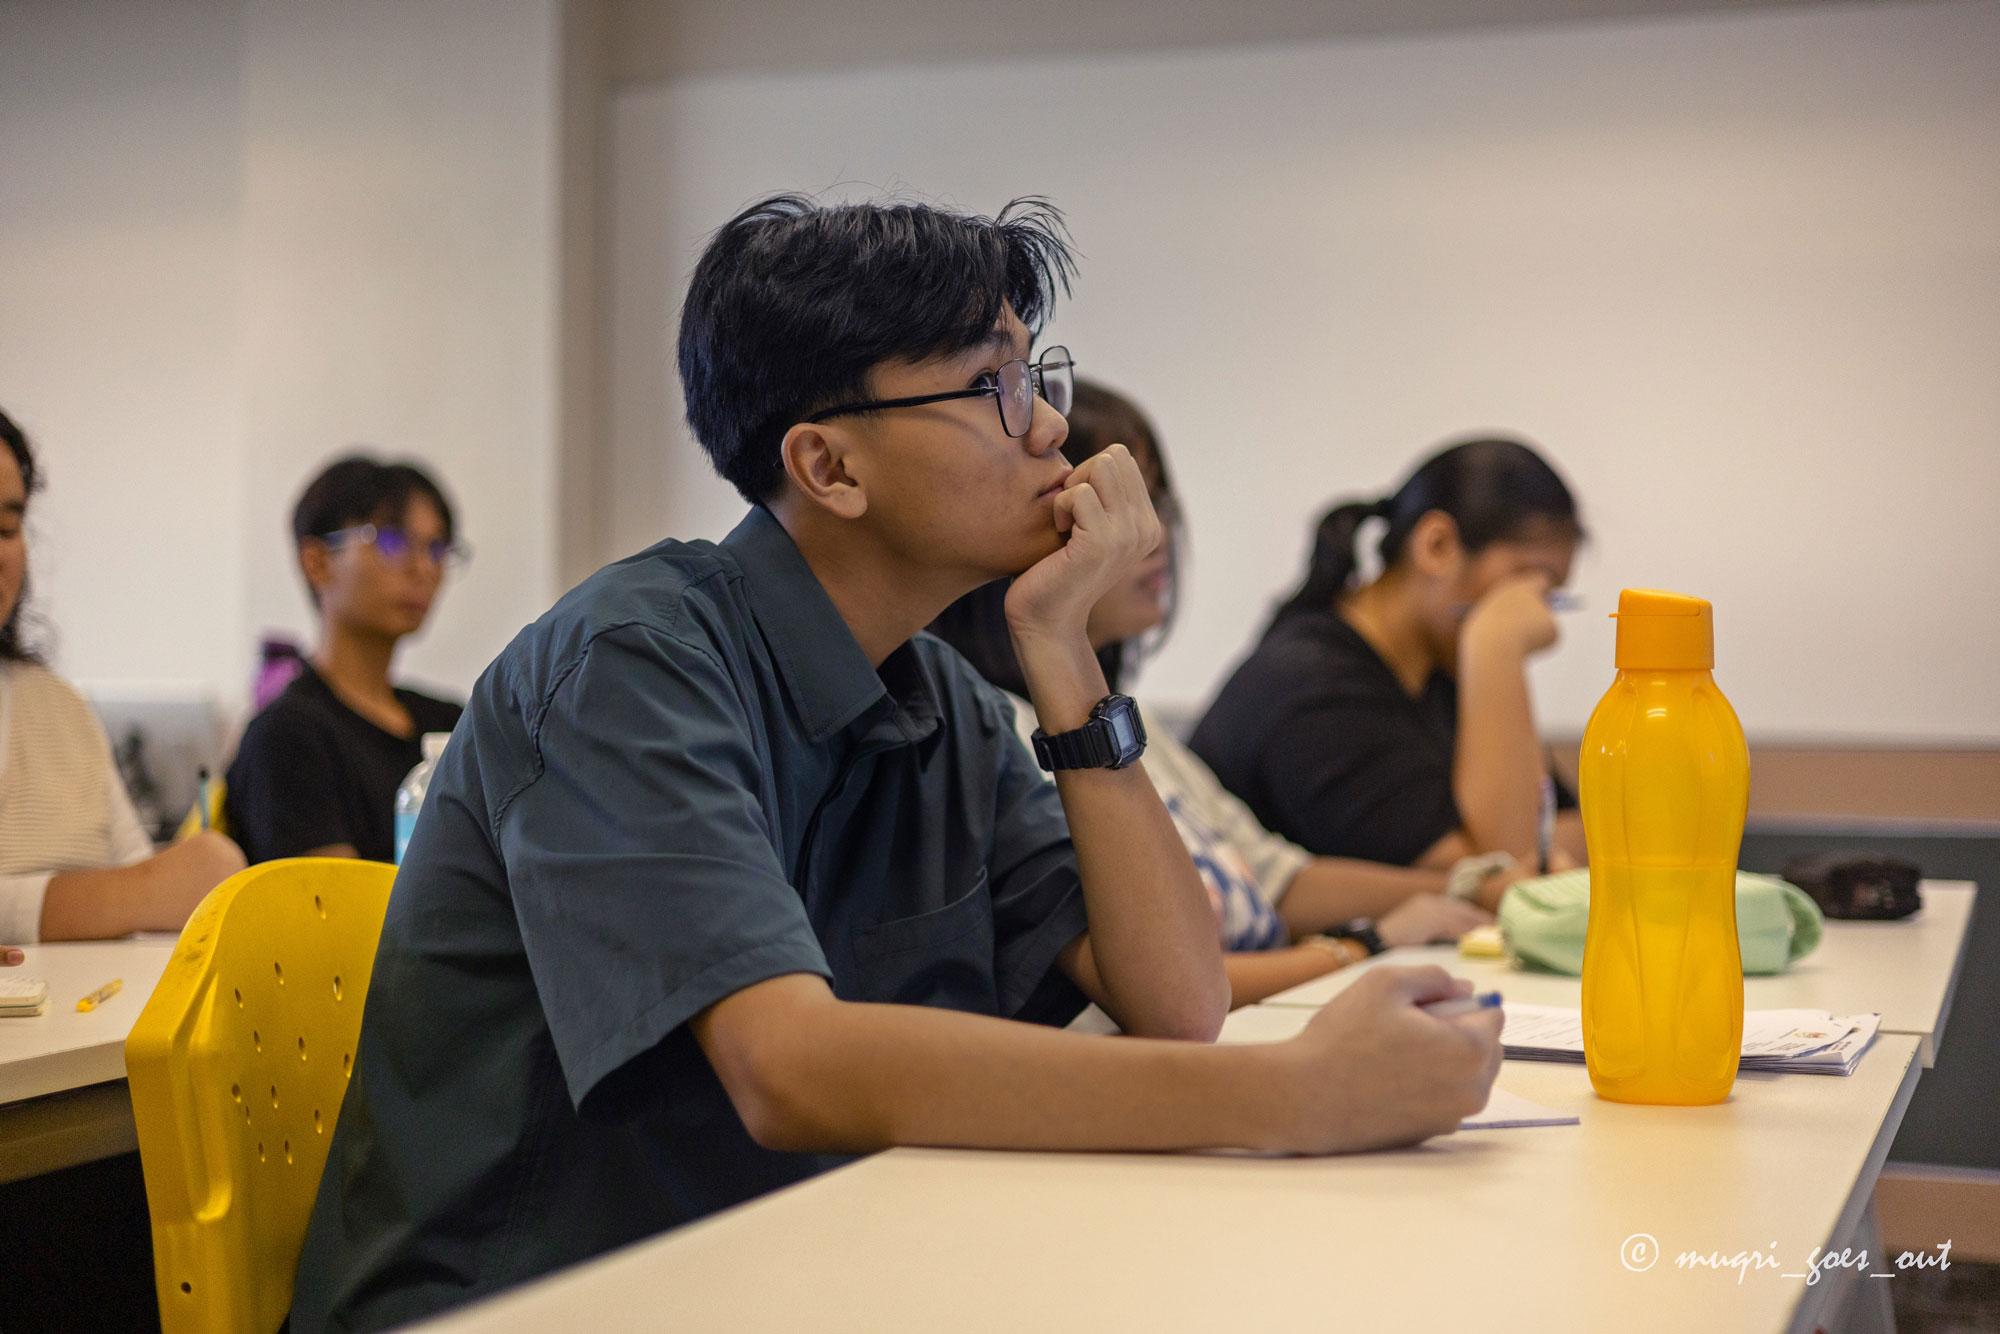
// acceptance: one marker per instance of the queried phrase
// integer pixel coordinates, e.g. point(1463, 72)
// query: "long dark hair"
point(1493, 488)
point(12, 645)
point(976, 624)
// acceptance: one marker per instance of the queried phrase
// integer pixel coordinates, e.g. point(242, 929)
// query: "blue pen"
point(1451, 1009)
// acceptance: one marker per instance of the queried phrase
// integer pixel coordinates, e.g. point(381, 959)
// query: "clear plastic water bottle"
point(410, 796)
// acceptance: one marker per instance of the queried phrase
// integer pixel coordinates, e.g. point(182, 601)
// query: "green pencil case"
point(1543, 921)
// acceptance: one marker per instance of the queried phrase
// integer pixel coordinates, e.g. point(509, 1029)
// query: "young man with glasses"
point(730, 868)
point(317, 770)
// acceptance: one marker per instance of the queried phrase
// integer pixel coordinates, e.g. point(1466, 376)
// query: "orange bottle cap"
point(1664, 631)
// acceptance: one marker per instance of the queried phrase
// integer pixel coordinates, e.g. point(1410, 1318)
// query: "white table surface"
point(1904, 971)
point(1482, 1231)
point(63, 1049)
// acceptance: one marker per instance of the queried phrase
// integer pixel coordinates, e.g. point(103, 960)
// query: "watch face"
point(1123, 733)
point(1127, 733)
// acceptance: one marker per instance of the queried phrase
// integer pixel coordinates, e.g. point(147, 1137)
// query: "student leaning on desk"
point(727, 867)
point(74, 862)
point(1267, 891)
point(1391, 719)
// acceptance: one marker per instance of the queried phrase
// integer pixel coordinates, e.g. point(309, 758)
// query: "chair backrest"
point(237, 1067)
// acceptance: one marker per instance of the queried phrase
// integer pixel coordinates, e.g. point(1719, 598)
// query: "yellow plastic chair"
point(237, 1067)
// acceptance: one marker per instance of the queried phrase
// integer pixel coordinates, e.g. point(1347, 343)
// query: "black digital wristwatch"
point(1361, 931)
point(1113, 738)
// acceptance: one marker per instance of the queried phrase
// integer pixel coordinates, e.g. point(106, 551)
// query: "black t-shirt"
point(312, 772)
point(1318, 737)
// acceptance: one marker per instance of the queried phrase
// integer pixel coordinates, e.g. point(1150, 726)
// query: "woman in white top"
point(74, 862)
point(1267, 892)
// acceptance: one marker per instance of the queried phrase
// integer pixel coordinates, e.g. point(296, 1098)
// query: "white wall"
point(399, 279)
point(239, 236)
point(120, 213)
point(1738, 274)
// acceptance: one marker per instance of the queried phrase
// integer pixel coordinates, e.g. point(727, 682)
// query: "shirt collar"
point(829, 679)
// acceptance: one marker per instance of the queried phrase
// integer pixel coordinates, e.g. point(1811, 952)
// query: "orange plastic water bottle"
point(1664, 784)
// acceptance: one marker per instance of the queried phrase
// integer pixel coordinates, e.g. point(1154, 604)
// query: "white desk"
point(62, 1073)
point(1490, 1230)
point(1906, 971)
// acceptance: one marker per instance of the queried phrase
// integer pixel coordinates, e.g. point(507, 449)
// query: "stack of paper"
point(22, 996)
point(1810, 1042)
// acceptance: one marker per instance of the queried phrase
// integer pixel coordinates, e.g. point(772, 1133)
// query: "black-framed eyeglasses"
point(1015, 386)
point(393, 544)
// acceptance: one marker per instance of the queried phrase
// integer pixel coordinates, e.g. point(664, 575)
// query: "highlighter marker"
point(99, 996)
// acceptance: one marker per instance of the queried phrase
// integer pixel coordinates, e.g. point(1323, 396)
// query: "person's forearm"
point(1328, 891)
point(1255, 974)
point(836, 1077)
point(153, 895)
point(1497, 767)
point(1153, 937)
point(96, 905)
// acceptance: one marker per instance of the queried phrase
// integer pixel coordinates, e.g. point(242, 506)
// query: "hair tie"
point(1382, 508)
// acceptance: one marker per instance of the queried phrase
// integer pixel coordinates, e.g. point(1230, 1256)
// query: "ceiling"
point(652, 40)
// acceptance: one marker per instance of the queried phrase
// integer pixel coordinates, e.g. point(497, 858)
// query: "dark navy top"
point(685, 779)
point(1320, 740)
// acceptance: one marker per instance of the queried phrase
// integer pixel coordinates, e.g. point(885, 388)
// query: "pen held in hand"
point(1451, 1009)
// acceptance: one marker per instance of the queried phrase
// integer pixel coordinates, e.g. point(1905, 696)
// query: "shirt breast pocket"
point(942, 958)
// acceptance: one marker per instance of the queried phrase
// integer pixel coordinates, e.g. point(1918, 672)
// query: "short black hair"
point(13, 647)
point(359, 489)
point(794, 302)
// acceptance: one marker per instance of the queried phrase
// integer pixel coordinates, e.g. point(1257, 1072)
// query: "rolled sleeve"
point(640, 856)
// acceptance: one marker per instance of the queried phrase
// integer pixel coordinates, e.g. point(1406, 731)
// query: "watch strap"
point(1095, 745)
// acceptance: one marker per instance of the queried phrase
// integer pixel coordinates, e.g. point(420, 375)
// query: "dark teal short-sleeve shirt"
point(685, 779)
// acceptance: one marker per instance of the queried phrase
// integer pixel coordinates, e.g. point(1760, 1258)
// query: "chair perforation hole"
point(347, 1063)
point(336, 986)
point(256, 1040)
point(319, 907)
point(318, 1129)
point(288, 1151)
point(186, 1286)
point(274, 1097)
point(236, 1092)
point(239, 995)
point(260, 1151)
point(302, 1046)
point(279, 969)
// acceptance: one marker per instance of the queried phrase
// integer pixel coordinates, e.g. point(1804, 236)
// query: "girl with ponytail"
point(1390, 719)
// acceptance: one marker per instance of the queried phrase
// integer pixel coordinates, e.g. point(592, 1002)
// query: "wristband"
point(1468, 875)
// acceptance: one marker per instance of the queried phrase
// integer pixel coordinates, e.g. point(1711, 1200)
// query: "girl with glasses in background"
point(317, 771)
